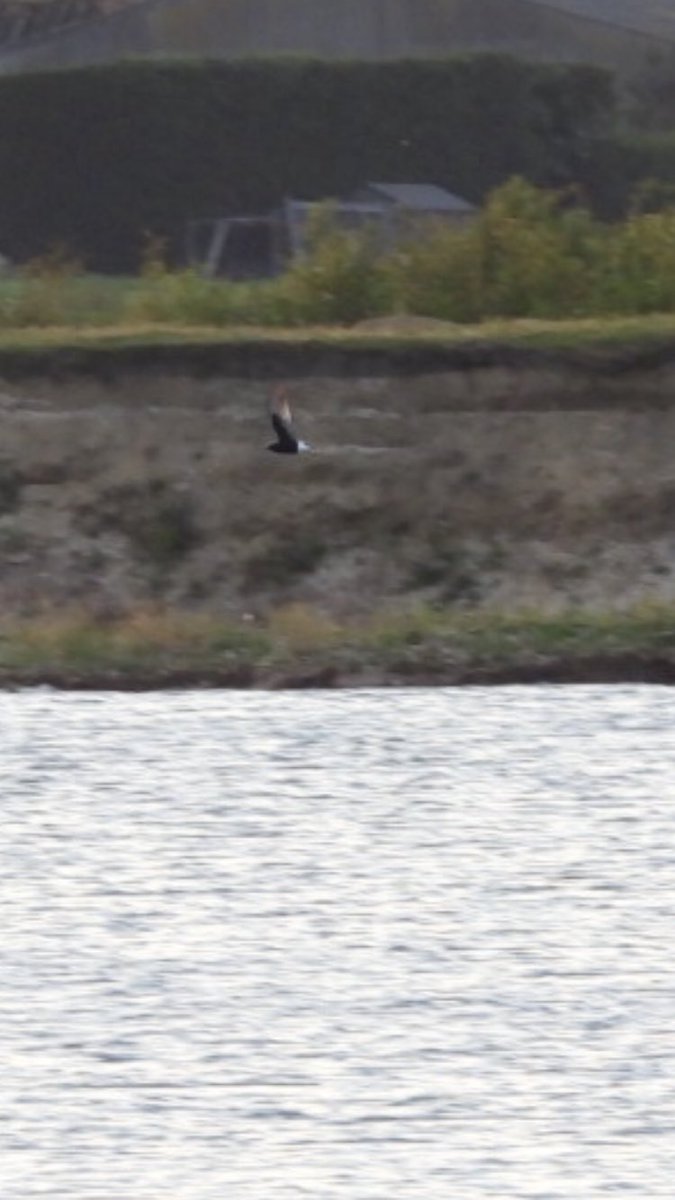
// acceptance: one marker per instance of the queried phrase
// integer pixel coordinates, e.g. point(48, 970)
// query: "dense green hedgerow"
point(96, 158)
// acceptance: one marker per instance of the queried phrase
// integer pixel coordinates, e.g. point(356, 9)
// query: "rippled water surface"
point(405, 945)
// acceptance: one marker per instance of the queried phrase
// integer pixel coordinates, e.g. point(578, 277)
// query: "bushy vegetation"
point(535, 253)
point(529, 253)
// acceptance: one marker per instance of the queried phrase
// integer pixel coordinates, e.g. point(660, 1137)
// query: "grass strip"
point(568, 333)
point(298, 646)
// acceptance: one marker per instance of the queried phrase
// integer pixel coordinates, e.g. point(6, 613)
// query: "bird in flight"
point(287, 442)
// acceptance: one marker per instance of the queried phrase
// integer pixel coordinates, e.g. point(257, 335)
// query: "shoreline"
point(600, 670)
point(298, 648)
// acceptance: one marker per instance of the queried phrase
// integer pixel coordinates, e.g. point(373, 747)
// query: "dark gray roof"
point(422, 196)
point(653, 17)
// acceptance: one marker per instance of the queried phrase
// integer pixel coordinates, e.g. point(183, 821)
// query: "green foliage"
point(440, 274)
point(532, 253)
point(151, 643)
point(340, 277)
point(529, 253)
point(53, 290)
point(181, 297)
point(639, 266)
point(188, 298)
point(536, 255)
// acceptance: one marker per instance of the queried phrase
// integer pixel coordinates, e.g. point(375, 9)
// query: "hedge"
point(96, 158)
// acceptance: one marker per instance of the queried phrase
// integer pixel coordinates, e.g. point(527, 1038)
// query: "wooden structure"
point(239, 247)
point(249, 247)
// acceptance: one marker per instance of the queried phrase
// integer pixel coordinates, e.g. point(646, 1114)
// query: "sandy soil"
point(479, 480)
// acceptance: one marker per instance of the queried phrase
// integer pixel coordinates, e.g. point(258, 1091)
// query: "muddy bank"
point(598, 372)
point(592, 670)
point(455, 475)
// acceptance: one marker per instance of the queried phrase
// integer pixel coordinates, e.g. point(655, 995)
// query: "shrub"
point(528, 253)
point(536, 255)
point(159, 522)
point(279, 563)
point(638, 271)
point(54, 290)
point(440, 275)
point(340, 277)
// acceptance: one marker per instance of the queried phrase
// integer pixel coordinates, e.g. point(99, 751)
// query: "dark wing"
point(283, 432)
point(281, 420)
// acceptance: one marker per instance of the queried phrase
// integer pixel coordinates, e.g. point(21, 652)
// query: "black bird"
point(280, 412)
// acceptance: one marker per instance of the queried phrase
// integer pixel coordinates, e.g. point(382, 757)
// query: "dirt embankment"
point(477, 475)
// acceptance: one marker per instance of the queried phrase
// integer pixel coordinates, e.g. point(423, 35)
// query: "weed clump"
point(153, 644)
point(159, 521)
point(280, 562)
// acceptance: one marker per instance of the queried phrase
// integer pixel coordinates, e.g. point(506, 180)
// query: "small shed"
point(392, 209)
point(254, 247)
point(251, 247)
point(415, 200)
point(347, 214)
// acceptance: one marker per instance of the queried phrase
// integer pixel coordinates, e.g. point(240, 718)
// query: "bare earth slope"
point(470, 476)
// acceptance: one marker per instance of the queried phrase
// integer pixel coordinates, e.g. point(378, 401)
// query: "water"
point(410, 945)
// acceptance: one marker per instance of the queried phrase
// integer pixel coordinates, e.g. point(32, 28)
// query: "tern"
point(280, 412)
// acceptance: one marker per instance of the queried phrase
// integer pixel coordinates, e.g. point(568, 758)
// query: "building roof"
point(650, 17)
point(423, 197)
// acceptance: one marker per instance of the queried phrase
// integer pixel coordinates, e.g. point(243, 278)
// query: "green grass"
point(586, 332)
point(155, 645)
point(530, 270)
